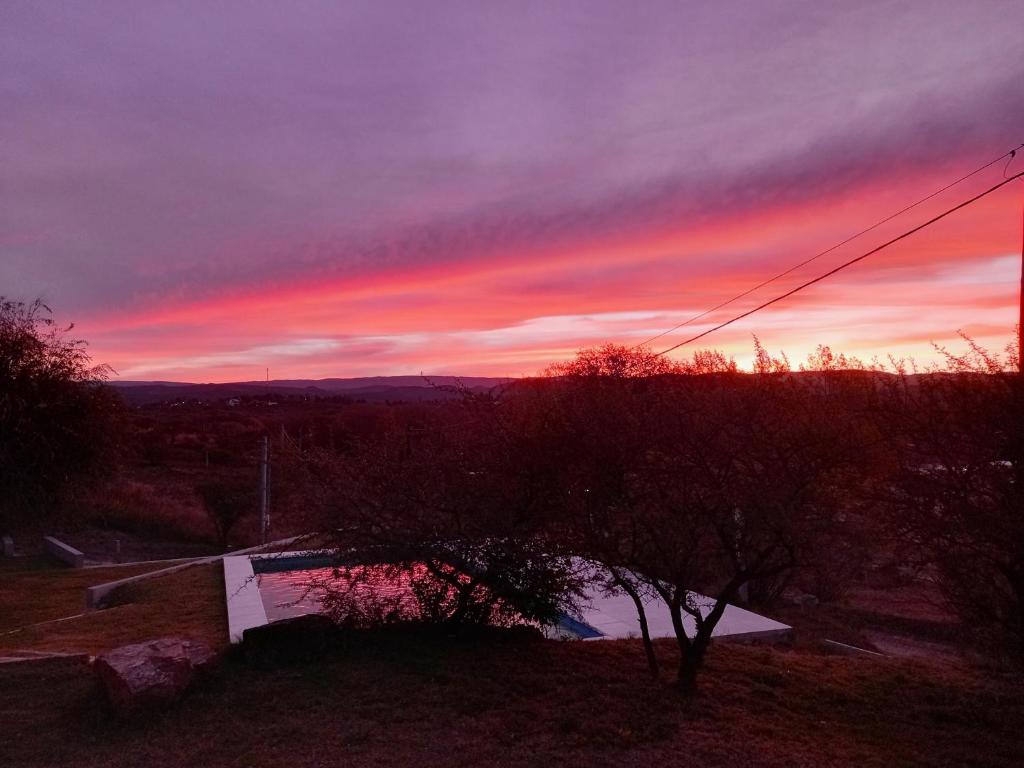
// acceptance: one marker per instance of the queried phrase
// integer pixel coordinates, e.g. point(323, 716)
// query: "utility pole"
point(264, 490)
point(1020, 301)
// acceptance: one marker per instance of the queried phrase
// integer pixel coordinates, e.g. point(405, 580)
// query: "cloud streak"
point(201, 187)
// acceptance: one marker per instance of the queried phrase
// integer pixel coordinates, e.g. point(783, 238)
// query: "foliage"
point(59, 426)
point(226, 503)
point(615, 361)
point(165, 511)
point(959, 494)
point(709, 482)
point(467, 501)
point(620, 362)
point(679, 479)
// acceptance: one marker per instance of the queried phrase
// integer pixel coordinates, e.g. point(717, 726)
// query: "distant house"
point(234, 401)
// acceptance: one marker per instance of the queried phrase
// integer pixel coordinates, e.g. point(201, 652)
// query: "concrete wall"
point(95, 595)
point(242, 593)
point(64, 552)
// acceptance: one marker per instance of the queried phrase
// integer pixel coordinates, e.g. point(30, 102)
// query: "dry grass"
point(405, 699)
point(39, 591)
point(189, 602)
point(430, 702)
point(163, 506)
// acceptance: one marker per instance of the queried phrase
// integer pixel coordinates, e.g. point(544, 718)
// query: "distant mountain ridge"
point(370, 388)
point(339, 384)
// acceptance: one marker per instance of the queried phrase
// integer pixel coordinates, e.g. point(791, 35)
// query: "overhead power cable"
point(1010, 154)
point(845, 264)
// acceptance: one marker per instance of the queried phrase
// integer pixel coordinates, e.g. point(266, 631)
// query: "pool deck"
point(242, 593)
point(615, 617)
point(609, 616)
point(242, 585)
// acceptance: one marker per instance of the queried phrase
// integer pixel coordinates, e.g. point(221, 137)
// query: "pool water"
point(296, 583)
point(292, 593)
point(365, 593)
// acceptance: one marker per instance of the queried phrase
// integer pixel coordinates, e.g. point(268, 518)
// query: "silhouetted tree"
point(59, 426)
point(678, 479)
point(465, 503)
point(704, 482)
point(616, 361)
point(959, 499)
point(226, 502)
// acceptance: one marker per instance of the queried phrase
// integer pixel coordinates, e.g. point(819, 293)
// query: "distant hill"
point(370, 389)
point(340, 385)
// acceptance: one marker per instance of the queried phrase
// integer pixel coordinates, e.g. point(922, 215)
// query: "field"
point(404, 698)
point(189, 602)
point(420, 701)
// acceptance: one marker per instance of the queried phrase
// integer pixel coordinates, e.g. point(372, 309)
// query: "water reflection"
point(371, 595)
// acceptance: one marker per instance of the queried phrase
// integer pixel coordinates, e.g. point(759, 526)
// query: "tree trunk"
point(645, 633)
point(687, 676)
point(690, 663)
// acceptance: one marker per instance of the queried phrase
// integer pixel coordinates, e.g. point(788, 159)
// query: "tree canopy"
point(58, 422)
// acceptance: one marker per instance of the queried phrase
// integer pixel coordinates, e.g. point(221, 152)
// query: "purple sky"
point(157, 160)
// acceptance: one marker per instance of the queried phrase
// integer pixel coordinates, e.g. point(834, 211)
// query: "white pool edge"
point(616, 622)
point(242, 596)
point(246, 609)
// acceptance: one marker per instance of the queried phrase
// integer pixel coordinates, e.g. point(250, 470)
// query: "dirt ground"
point(899, 620)
point(402, 701)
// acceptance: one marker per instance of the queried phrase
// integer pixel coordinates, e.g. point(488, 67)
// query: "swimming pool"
point(380, 592)
point(263, 588)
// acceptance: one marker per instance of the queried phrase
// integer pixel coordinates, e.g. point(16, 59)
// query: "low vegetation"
point(59, 426)
point(33, 604)
point(413, 700)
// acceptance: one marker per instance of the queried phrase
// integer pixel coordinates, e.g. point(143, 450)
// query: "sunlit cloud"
point(250, 356)
point(913, 316)
point(346, 190)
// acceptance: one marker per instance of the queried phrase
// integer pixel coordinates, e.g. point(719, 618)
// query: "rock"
point(146, 675)
point(302, 638)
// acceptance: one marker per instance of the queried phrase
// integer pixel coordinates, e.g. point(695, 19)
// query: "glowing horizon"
point(336, 192)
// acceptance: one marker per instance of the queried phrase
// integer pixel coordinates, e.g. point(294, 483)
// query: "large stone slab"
point(144, 676)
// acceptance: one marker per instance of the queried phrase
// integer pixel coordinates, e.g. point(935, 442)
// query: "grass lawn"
point(401, 700)
point(406, 699)
point(189, 602)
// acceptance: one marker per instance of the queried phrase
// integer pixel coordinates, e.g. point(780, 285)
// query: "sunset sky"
point(367, 188)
